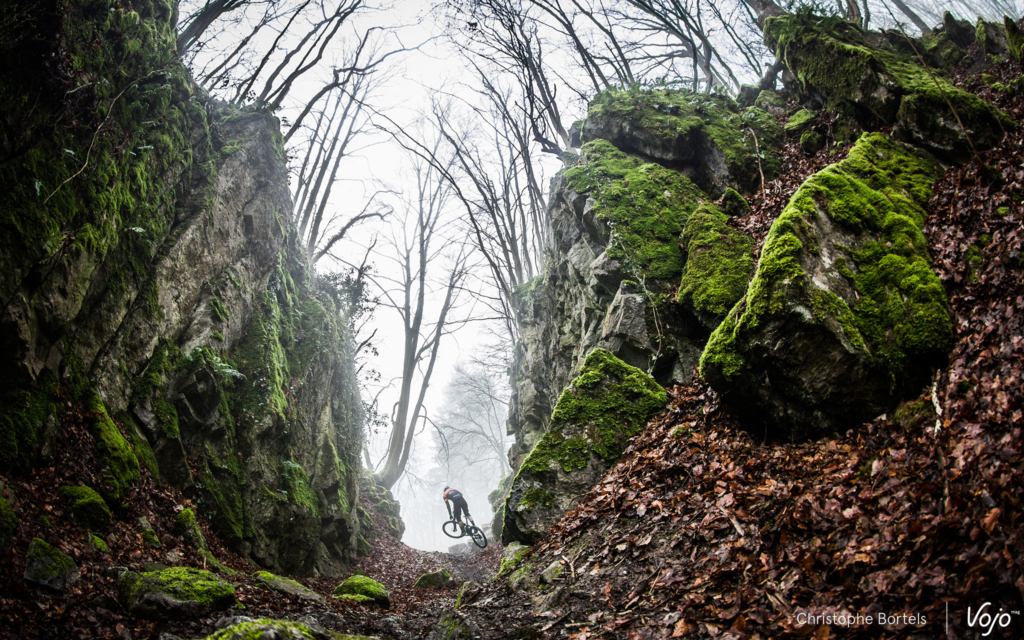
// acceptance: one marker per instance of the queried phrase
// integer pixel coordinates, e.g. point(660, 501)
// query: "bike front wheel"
point(479, 538)
point(451, 529)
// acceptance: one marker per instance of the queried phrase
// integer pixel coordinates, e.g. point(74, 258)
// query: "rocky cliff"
point(151, 280)
point(831, 318)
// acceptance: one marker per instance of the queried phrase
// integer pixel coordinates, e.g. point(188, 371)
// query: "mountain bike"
point(453, 529)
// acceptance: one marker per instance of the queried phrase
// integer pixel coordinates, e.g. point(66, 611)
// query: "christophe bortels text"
point(857, 619)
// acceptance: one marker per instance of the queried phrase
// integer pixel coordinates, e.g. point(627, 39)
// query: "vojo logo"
point(987, 620)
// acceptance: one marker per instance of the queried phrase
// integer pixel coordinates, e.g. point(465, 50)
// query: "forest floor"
point(91, 609)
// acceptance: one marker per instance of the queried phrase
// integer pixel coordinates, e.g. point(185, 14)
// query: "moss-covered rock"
point(606, 404)
point(733, 204)
point(284, 585)
point(148, 534)
point(278, 630)
point(770, 102)
point(120, 466)
point(843, 315)
point(719, 261)
point(707, 136)
point(87, 506)
point(175, 593)
point(1014, 38)
point(97, 544)
point(439, 578)
point(834, 59)
point(47, 566)
point(186, 526)
point(812, 142)
point(800, 121)
point(8, 523)
point(644, 205)
point(366, 587)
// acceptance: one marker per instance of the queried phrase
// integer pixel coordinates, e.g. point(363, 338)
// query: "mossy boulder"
point(284, 585)
point(719, 261)
point(812, 142)
point(97, 544)
point(265, 628)
point(48, 566)
point(8, 523)
point(87, 506)
point(644, 203)
point(186, 526)
point(608, 403)
point(733, 204)
point(800, 121)
point(843, 315)
point(835, 61)
point(119, 464)
point(770, 102)
point(706, 136)
point(175, 593)
point(439, 578)
point(145, 529)
point(363, 587)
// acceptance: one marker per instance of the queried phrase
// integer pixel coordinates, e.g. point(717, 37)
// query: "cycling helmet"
point(446, 487)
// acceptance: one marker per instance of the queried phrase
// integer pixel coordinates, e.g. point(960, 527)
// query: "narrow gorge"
point(767, 370)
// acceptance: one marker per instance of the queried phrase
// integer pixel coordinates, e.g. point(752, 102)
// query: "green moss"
point(364, 586)
point(149, 537)
point(719, 261)
point(267, 628)
point(800, 121)
point(900, 316)
point(537, 496)
point(439, 578)
point(97, 543)
point(87, 506)
point(268, 579)
point(644, 204)
point(184, 584)
point(45, 562)
point(299, 490)
point(120, 466)
point(733, 204)
point(833, 58)
point(8, 523)
point(509, 565)
point(1014, 38)
point(812, 142)
point(22, 415)
point(228, 514)
point(685, 120)
point(768, 100)
point(356, 598)
point(606, 405)
point(218, 311)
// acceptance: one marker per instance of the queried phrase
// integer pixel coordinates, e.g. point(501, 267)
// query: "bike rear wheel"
point(451, 529)
point(479, 538)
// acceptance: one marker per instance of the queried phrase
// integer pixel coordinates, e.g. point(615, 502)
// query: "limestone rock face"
point(837, 63)
point(707, 138)
point(607, 403)
point(843, 315)
point(164, 291)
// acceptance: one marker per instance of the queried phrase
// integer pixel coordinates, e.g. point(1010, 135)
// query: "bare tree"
point(470, 431)
point(420, 246)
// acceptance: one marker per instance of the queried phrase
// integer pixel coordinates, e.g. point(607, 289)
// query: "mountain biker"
point(460, 504)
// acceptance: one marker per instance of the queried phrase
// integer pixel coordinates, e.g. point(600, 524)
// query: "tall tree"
point(423, 304)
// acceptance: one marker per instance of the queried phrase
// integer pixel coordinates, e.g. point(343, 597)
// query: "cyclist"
point(460, 504)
